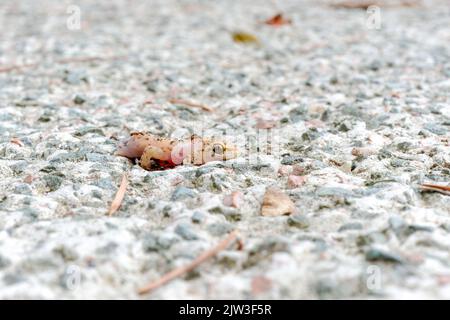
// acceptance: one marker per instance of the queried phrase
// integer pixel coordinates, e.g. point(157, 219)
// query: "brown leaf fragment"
point(276, 203)
point(278, 20)
point(115, 205)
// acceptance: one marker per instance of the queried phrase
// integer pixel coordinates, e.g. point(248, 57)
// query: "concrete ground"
point(356, 103)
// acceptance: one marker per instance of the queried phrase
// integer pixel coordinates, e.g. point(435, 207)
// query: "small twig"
point(191, 104)
point(437, 188)
point(222, 245)
point(61, 61)
point(119, 195)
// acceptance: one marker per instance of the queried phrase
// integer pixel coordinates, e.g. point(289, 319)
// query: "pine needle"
point(187, 103)
point(437, 188)
point(115, 205)
point(222, 245)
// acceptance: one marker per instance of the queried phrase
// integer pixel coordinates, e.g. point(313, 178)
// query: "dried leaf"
point(115, 205)
point(278, 20)
point(243, 37)
point(276, 203)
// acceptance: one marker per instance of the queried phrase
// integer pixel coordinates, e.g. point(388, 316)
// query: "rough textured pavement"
point(360, 118)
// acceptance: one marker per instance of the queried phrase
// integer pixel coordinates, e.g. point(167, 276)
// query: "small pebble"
point(376, 254)
point(296, 181)
point(182, 193)
point(298, 221)
point(186, 231)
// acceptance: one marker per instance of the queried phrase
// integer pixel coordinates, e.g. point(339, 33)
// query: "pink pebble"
point(296, 181)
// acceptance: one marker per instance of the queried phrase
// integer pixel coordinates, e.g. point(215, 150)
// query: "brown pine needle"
point(187, 103)
point(115, 205)
point(434, 187)
point(446, 188)
point(222, 245)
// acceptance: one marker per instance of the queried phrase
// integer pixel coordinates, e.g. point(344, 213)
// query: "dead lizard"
point(167, 152)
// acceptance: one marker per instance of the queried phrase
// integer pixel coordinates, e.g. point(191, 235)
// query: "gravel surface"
point(360, 117)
